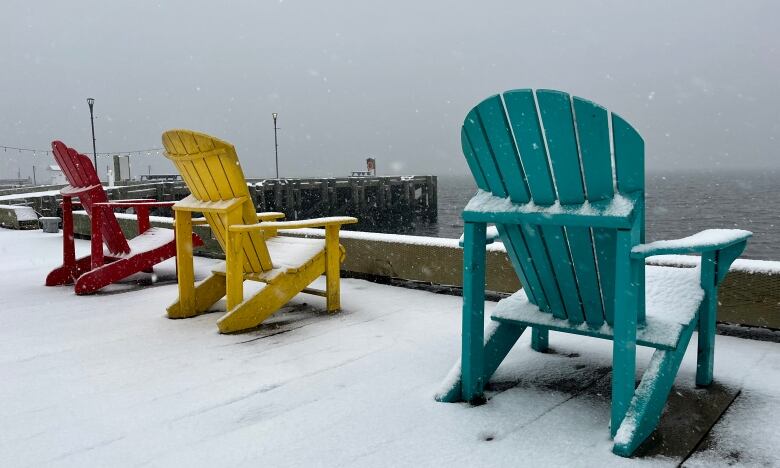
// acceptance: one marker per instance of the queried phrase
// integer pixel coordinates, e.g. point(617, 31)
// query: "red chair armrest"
point(137, 203)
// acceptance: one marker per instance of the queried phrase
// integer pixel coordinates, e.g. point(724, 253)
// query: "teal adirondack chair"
point(566, 193)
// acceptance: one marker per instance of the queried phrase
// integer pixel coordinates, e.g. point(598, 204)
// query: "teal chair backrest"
point(548, 148)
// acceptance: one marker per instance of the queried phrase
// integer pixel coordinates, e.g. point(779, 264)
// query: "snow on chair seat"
point(673, 296)
point(289, 254)
point(147, 241)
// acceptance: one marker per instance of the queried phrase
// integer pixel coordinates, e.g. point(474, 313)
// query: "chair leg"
point(540, 339)
point(206, 293)
point(185, 270)
point(500, 338)
point(69, 272)
point(624, 341)
point(473, 314)
point(706, 341)
point(234, 259)
point(708, 310)
point(332, 266)
point(97, 278)
point(480, 357)
point(650, 397)
point(253, 311)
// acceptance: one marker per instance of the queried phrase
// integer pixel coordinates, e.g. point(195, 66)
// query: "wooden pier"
point(395, 203)
point(378, 202)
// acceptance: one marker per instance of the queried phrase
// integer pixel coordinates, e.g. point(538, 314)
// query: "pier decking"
point(107, 380)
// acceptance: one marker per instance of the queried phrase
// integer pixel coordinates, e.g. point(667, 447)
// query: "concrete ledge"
point(25, 189)
point(750, 295)
point(18, 217)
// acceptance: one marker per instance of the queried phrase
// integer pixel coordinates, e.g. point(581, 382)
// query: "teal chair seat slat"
point(517, 250)
point(604, 241)
point(629, 156)
point(558, 121)
point(471, 160)
point(581, 245)
point(502, 146)
point(629, 151)
point(555, 242)
point(595, 154)
point(480, 147)
point(663, 329)
point(593, 134)
point(521, 110)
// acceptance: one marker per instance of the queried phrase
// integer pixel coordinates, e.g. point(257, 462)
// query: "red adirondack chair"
point(122, 257)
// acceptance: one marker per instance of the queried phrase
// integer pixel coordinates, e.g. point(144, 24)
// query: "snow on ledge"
point(22, 212)
point(765, 267)
point(444, 242)
point(152, 219)
point(357, 235)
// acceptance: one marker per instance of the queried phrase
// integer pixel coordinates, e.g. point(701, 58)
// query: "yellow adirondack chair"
point(253, 251)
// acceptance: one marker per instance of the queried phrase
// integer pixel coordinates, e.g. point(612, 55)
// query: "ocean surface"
point(678, 204)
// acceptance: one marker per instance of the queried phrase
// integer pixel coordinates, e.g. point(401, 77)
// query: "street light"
point(91, 103)
point(276, 144)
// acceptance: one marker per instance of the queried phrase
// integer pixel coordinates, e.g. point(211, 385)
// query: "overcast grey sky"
point(393, 80)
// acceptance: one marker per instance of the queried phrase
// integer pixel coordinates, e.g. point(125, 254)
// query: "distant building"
point(370, 169)
point(56, 175)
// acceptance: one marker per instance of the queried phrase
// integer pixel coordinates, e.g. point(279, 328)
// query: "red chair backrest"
point(81, 174)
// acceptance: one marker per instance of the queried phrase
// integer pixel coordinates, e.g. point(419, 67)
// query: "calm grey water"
point(678, 204)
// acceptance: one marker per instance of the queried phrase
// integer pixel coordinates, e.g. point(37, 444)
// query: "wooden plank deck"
point(107, 380)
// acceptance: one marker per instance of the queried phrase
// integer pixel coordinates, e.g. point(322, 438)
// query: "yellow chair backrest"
point(212, 172)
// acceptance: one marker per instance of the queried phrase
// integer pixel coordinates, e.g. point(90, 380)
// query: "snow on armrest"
point(190, 203)
point(136, 203)
point(704, 241)
point(71, 191)
point(269, 215)
point(491, 235)
point(304, 223)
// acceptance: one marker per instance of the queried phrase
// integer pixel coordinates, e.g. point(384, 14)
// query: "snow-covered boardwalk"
point(107, 380)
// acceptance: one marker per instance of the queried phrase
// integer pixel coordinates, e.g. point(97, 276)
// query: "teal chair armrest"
point(490, 236)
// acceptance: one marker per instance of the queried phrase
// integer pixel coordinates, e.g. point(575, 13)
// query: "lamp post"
point(91, 103)
point(276, 144)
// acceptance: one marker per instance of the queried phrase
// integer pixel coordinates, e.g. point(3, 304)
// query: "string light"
point(35, 151)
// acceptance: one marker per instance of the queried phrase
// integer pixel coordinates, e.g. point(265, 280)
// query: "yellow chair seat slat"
point(290, 254)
